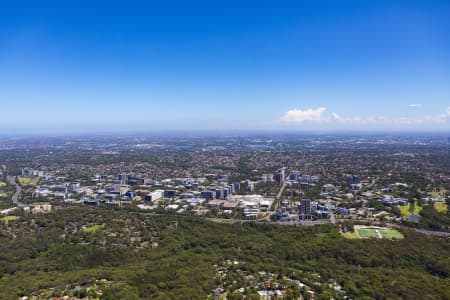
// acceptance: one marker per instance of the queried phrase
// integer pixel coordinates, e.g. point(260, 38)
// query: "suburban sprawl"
point(295, 216)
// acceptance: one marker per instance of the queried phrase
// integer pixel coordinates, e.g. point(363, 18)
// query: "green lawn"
point(390, 233)
point(23, 181)
point(386, 233)
point(26, 181)
point(405, 210)
point(440, 206)
point(367, 233)
point(93, 228)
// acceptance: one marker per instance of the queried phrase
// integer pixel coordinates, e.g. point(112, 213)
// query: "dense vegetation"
point(42, 251)
point(6, 191)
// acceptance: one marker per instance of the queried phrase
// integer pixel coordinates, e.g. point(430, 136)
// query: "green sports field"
point(367, 233)
point(371, 232)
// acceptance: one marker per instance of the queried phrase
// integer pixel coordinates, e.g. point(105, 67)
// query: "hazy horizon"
point(223, 132)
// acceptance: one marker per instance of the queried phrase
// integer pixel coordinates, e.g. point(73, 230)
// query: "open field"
point(390, 233)
point(405, 210)
point(440, 206)
point(376, 232)
point(26, 181)
point(23, 181)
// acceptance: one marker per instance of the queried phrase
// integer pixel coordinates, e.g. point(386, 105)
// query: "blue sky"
point(249, 65)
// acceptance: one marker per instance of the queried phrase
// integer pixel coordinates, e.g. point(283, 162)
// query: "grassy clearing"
point(440, 206)
point(350, 235)
point(9, 218)
point(405, 210)
point(23, 181)
point(27, 181)
point(93, 228)
point(390, 233)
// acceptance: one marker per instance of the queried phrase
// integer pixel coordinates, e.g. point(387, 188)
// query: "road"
point(15, 197)
point(281, 191)
point(265, 221)
point(431, 232)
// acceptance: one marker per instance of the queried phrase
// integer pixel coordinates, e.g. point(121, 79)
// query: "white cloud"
point(300, 116)
point(415, 105)
point(350, 120)
point(333, 119)
point(336, 117)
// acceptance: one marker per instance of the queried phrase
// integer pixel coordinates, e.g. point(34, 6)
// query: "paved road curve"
point(15, 197)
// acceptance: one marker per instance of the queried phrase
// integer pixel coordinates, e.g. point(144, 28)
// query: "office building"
point(169, 194)
point(305, 209)
point(352, 179)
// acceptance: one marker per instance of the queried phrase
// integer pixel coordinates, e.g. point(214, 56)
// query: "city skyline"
point(296, 66)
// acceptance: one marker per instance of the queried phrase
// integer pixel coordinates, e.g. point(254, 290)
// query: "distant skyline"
point(105, 66)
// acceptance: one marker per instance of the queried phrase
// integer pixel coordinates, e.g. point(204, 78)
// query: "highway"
point(280, 193)
point(15, 197)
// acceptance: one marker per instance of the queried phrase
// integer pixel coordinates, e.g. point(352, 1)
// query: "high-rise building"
point(279, 177)
point(236, 187)
point(219, 193)
point(352, 179)
point(123, 178)
point(294, 175)
point(305, 209)
point(226, 193)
